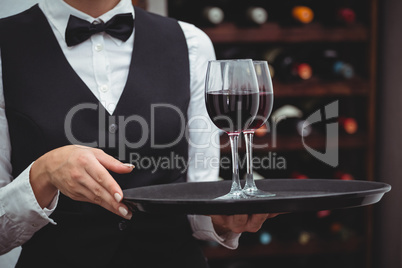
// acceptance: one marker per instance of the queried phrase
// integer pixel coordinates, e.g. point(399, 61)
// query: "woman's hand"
point(239, 223)
point(80, 173)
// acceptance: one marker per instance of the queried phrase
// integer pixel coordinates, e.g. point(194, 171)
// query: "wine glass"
point(232, 98)
point(264, 111)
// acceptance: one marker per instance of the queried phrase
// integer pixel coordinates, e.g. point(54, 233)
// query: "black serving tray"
point(292, 195)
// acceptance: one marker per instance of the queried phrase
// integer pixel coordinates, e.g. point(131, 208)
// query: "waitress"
point(86, 88)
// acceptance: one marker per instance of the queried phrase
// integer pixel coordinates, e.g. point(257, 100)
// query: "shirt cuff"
point(203, 229)
point(21, 206)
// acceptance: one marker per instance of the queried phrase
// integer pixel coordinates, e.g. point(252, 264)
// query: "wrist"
point(41, 184)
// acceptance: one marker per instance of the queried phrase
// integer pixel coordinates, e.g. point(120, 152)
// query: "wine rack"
point(271, 32)
point(330, 239)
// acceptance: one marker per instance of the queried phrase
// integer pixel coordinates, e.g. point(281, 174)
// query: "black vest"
point(48, 106)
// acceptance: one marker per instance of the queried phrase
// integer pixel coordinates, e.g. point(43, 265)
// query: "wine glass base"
point(233, 195)
point(254, 192)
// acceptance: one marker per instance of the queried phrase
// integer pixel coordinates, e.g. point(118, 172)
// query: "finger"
point(255, 222)
point(273, 215)
point(112, 163)
point(94, 193)
point(103, 178)
point(238, 223)
point(240, 219)
point(99, 174)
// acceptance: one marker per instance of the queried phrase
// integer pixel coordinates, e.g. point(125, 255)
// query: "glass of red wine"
point(264, 111)
point(232, 99)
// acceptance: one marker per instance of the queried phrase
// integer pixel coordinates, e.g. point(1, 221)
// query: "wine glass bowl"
point(266, 100)
point(232, 101)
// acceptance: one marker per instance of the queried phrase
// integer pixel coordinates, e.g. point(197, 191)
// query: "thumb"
point(112, 163)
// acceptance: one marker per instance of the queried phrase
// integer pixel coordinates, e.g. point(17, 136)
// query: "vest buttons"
point(122, 225)
point(113, 128)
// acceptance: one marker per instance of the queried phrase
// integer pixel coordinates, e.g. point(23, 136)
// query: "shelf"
point(272, 32)
point(290, 143)
point(316, 87)
point(277, 248)
point(358, 44)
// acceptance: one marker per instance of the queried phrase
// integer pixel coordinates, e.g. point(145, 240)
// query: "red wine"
point(264, 110)
point(232, 111)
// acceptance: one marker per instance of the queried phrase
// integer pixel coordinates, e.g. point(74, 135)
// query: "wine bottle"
point(262, 131)
point(329, 65)
point(304, 237)
point(298, 175)
point(201, 13)
point(348, 125)
point(345, 16)
point(323, 213)
point(288, 120)
point(286, 66)
point(341, 175)
point(335, 13)
point(340, 231)
point(302, 14)
point(248, 13)
point(265, 238)
point(212, 15)
point(292, 12)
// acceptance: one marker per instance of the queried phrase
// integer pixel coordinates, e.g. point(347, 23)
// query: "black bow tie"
point(78, 30)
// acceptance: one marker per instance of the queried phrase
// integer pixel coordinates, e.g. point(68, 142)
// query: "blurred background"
point(320, 52)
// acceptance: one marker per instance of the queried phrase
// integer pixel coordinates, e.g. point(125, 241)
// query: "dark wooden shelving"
point(280, 248)
point(291, 143)
point(317, 87)
point(272, 32)
point(359, 43)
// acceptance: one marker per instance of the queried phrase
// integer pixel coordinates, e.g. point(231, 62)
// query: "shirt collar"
point(58, 12)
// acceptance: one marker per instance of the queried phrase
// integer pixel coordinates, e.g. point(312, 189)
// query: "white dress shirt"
point(102, 62)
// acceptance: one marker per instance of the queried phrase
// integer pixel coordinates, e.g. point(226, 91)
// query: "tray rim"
point(291, 204)
point(352, 194)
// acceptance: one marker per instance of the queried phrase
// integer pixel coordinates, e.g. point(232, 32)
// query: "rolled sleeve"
point(203, 229)
point(20, 214)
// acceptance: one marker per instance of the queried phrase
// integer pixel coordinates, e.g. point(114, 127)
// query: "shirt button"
point(112, 128)
point(98, 47)
point(122, 225)
point(104, 88)
point(34, 225)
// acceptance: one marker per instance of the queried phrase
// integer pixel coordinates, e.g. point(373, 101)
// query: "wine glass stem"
point(234, 140)
point(248, 136)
